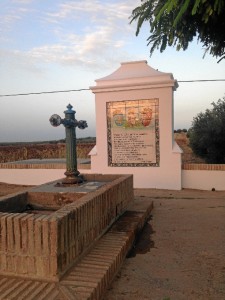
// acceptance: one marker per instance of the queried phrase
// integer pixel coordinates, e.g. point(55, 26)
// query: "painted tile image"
point(133, 133)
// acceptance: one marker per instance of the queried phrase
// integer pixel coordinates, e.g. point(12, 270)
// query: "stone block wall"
point(46, 246)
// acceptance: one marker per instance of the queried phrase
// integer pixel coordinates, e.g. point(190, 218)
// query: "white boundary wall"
point(191, 179)
point(32, 176)
point(203, 176)
point(203, 180)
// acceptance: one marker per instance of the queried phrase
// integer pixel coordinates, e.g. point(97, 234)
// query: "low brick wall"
point(46, 246)
point(205, 167)
point(40, 166)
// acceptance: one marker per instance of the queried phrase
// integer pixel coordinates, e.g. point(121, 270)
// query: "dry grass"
point(188, 156)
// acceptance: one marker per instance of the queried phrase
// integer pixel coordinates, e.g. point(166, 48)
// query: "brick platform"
point(90, 277)
point(44, 247)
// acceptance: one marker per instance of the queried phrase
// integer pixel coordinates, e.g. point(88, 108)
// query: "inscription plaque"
point(133, 133)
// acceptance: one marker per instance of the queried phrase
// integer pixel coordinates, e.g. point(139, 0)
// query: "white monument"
point(134, 126)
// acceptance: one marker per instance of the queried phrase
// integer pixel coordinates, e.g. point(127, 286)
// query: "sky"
point(59, 45)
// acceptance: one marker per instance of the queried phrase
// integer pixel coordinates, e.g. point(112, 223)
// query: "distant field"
point(62, 141)
point(56, 149)
point(42, 150)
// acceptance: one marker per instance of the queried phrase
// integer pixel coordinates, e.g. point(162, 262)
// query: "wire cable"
point(201, 80)
point(80, 90)
point(39, 93)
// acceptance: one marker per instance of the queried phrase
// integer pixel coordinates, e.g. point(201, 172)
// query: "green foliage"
point(180, 130)
point(207, 134)
point(176, 23)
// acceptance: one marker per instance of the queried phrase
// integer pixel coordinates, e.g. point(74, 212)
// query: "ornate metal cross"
point(70, 124)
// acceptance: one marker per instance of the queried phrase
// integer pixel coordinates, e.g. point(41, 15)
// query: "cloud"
point(22, 1)
point(97, 10)
point(17, 60)
point(7, 20)
point(91, 50)
point(93, 12)
point(11, 14)
point(97, 34)
point(90, 33)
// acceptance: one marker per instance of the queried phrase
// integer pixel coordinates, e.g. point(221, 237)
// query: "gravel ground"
point(181, 253)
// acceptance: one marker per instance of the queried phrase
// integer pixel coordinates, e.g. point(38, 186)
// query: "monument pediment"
point(135, 73)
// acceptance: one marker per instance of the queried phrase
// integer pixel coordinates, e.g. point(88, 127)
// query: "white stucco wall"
point(32, 176)
point(203, 179)
point(151, 84)
point(191, 179)
point(168, 175)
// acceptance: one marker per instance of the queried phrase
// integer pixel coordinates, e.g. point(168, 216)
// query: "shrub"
point(207, 134)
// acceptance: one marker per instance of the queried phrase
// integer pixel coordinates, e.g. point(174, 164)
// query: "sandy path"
point(187, 256)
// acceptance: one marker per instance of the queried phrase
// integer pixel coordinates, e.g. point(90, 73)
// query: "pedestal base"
point(72, 178)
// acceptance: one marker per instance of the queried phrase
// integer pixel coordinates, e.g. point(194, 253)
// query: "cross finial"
point(69, 106)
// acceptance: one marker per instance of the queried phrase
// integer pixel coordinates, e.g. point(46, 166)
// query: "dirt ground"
point(180, 254)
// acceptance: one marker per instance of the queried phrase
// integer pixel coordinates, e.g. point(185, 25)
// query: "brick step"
point(89, 278)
